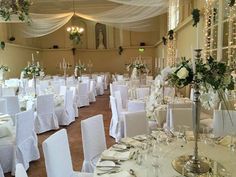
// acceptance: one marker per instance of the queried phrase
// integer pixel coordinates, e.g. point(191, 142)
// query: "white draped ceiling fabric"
point(133, 15)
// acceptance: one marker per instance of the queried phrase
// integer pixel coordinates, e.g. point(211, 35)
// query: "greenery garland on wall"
point(196, 17)
point(19, 8)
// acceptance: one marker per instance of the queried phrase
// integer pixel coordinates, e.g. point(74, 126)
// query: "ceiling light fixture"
point(75, 32)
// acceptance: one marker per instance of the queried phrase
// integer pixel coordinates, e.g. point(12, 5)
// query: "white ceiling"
point(82, 6)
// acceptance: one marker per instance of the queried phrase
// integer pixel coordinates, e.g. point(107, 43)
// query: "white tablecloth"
point(169, 152)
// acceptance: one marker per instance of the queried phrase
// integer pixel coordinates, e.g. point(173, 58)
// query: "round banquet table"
point(168, 153)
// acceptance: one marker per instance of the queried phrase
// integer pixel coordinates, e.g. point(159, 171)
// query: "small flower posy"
point(4, 68)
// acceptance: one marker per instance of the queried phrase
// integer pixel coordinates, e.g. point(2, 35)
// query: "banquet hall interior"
point(117, 88)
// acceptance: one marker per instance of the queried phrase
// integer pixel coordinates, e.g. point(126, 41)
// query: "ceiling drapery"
point(150, 3)
point(127, 16)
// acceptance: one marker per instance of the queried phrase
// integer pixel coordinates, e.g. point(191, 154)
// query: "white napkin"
point(132, 142)
point(225, 141)
point(113, 155)
point(119, 174)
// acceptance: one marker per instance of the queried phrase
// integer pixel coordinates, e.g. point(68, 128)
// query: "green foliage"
point(2, 45)
point(75, 36)
point(196, 17)
point(15, 7)
point(4, 68)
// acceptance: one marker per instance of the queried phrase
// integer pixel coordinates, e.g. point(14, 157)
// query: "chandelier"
point(75, 32)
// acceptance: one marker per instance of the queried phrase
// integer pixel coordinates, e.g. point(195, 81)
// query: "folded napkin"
point(159, 134)
point(113, 155)
point(132, 142)
point(5, 117)
point(225, 141)
point(119, 174)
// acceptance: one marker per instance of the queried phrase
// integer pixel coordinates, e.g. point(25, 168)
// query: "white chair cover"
point(116, 125)
point(20, 171)
point(142, 93)
point(75, 100)
point(100, 85)
point(3, 106)
point(180, 117)
point(8, 91)
point(169, 91)
point(63, 90)
point(83, 94)
point(119, 102)
point(136, 106)
point(135, 124)
point(13, 106)
point(171, 106)
point(91, 91)
point(66, 113)
point(46, 118)
point(21, 148)
point(224, 122)
point(26, 138)
point(1, 172)
point(94, 141)
point(124, 94)
point(57, 156)
point(56, 86)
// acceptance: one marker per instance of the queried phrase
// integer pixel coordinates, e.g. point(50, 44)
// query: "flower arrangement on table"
point(31, 71)
point(138, 65)
point(79, 67)
point(214, 78)
point(15, 7)
point(4, 68)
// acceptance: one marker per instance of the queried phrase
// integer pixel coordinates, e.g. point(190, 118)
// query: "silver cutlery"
point(108, 172)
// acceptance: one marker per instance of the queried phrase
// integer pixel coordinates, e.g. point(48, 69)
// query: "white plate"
point(106, 165)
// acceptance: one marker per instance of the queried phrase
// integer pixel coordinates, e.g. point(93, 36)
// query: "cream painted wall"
point(16, 57)
point(103, 60)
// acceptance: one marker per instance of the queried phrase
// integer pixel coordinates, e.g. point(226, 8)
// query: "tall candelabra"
point(64, 66)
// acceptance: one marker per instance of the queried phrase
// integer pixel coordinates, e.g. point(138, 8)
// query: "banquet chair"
point(92, 97)
point(83, 96)
point(224, 122)
point(63, 89)
point(13, 106)
point(142, 93)
point(116, 129)
point(8, 91)
point(180, 117)
point(1, 172)
point(94, 141)
point(56, 86)
point(135, 123)
point(20, 171)
point(66, 113)
point(119, 102)
point(100, 85)
point(75, 100)
point(124, 94)
point(58, 158)
point(46, 118)
point(21, 148)
point(3, 106)
point(136, 106)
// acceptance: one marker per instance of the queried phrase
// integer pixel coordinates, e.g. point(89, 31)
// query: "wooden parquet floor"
point(101, 106)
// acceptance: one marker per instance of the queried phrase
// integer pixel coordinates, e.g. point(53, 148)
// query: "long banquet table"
point(167, 153)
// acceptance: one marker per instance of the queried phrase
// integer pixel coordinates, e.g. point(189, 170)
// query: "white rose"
point(182, 73)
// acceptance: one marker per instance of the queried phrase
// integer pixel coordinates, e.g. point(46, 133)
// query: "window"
point(173, 13)
point(221, 31)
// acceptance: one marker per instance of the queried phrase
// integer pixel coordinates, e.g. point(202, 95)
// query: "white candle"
point(60, 65)
point(163, 53)
point(38, 63)
point(197, 36)
point(28, 63)
point(193, 61)
point(156, 64)
point(32, 58)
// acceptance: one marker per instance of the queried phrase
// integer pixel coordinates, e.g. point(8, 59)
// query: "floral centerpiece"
point(141, 67)
point(15, 7)
point(213, 77)
point(79, 67)
point(3, 69)
point(32, 71)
